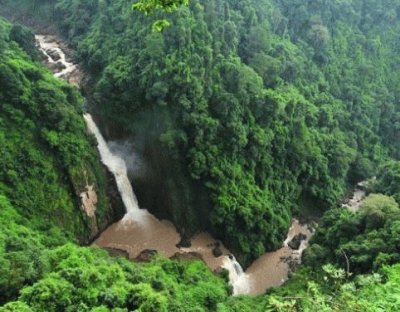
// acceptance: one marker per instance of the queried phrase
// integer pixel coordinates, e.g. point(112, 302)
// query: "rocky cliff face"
point(99, 201)
point(116, 209)
point(160, 182)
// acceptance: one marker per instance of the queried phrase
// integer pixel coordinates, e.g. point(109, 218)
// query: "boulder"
point(217, 251)
point(221, 271)
point(296, 241)
point(291, 261)
point(184, 243)
point(53, 54)
point(114, 252)
point(146, 255)
point(187, 256)
point(56, 67)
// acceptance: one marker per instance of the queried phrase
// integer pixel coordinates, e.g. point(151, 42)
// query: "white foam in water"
point(290, 236)
point(46, 46)
point(238, 279)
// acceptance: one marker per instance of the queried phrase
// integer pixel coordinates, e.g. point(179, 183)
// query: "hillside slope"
point(48, 161)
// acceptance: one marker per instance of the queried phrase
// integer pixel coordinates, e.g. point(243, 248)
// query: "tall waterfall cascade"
point(118, 167)
point(113, 162)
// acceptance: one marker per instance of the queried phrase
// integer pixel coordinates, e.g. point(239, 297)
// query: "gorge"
point(139, 230)
point(204, 157)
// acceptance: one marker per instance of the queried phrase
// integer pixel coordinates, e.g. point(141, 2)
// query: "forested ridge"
point(259, 109)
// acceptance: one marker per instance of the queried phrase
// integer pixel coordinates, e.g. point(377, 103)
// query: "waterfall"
point(118, 167)
point(113, 162)
point(238, 268)
point(238, 279)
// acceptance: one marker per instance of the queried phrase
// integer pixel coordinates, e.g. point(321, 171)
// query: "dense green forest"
point(263, 107)
point(252, 110)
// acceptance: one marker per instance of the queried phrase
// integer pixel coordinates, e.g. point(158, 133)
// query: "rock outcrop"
point(296, 241)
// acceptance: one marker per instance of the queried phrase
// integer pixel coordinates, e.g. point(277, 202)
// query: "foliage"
point(84, 278)
point(25, 39)
point(366, 293)
point(388, 180)
point(257, 105)
point(20, 251)
point(47, 159)
point(148, 6)
point(87, 279)
point(369, 238)
point(252, 107)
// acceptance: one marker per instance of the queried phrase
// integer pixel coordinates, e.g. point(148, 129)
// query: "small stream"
point(357, 196)
point(139, 230)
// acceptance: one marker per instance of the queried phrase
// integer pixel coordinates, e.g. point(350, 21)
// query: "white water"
point(293, 232)
point(46, 46)
point(238, 279)
point(113, 162)
point(151, 229)
point(358, 195)
point(118, 167)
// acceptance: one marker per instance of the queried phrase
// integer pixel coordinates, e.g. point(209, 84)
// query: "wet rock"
point(54, 55)
point(146, 255)
point(117, 209)
point(291, 261)
point(56, 67)
point(217, 251)
point(221, 271)
point(187, 256)
point(293, 264)
point(296, 241)
point(42, 56)
point(114, 252)
point(214, 244)
point(184, 243)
